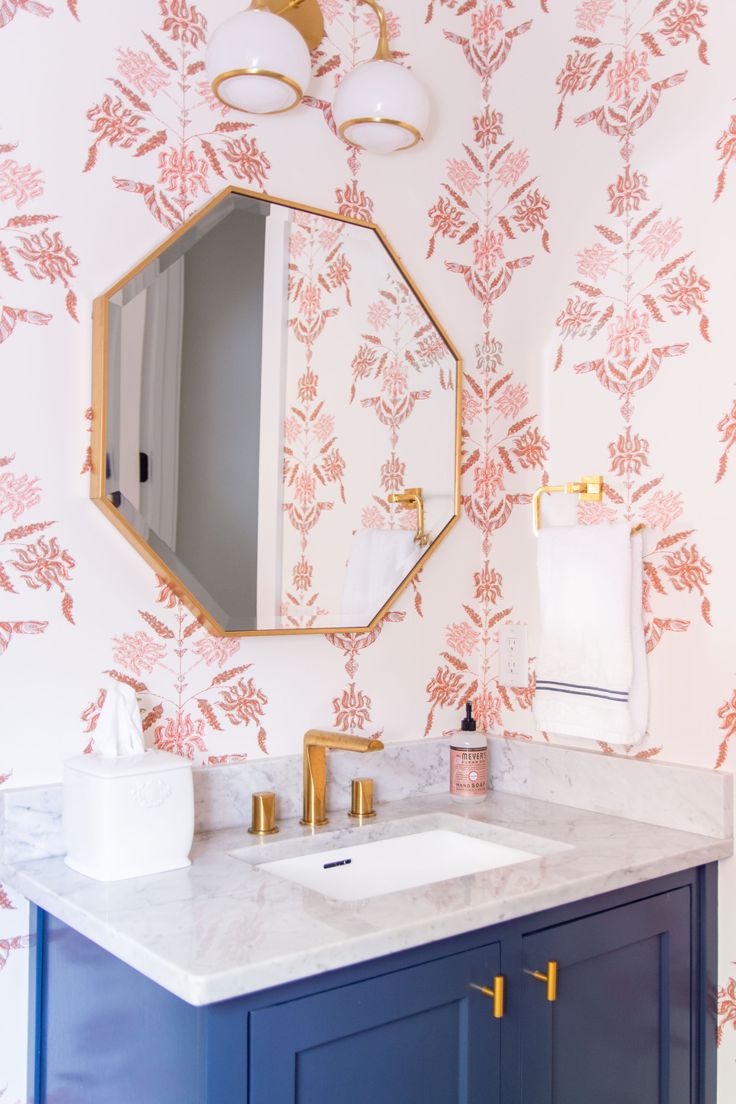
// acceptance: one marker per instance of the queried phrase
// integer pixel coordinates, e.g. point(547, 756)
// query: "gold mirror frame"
point(100, 337)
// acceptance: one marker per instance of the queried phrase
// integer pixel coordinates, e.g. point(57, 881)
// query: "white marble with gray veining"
point(668, 794)
point(222, 927)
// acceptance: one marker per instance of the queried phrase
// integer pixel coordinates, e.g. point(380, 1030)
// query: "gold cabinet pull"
point(550, 978)
point(496, 993)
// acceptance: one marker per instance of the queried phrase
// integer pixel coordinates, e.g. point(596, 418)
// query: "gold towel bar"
point(590, 489)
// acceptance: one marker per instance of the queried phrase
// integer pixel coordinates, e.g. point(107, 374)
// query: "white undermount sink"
point(400, 862)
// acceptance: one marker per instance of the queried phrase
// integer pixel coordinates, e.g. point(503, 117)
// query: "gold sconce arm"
point(413, 499)
point(383, 50)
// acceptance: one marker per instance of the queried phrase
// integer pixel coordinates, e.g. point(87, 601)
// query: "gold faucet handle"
point(263, 814)
point(361, 805)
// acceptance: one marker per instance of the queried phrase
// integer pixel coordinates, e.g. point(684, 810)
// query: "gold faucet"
point(316, 743)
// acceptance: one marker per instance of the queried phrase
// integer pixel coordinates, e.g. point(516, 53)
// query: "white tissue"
point(119, 730)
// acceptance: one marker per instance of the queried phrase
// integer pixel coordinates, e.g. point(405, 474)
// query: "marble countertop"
point(222, 927)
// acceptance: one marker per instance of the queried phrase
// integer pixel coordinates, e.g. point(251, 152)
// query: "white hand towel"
point(380, 559)
point(591, 668)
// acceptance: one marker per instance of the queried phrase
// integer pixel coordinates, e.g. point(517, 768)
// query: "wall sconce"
point(380, 106)
point(258, 61)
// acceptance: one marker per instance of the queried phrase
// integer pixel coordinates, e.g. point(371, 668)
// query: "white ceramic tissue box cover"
point(129, 816)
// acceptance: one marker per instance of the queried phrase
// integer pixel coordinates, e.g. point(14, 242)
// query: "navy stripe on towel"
point(620, 697)
point(581, 686)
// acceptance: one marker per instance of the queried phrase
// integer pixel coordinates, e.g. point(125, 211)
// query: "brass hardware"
point(101, 402)
point(383, 50)
point(361, 805)
point(497, 993)
point(590, 488)
point(413, 499)
point(304, 15)
point(263, 814)
point(550, 978)
point(416, 134)
point(219, 80)
point(316, 743)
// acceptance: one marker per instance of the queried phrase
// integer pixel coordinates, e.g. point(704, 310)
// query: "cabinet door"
point(421, 1035)
point(619, 1031)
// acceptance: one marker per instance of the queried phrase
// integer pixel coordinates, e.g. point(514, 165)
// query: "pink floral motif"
point(91, 714)
point(662, 509)
point(44, 564)
point(462, 638)
point(512, 400)
point(628, 333)
point(626, 75)
point(462, 175)
point(181, 172)
point(661, 239)
point(47, 257)
point(351, 709)
point(591, 15)
point(727, 429)
point(182, 735)
point(487, 24)
point(18, 493)
point(686, 292)
point(629, 453)
point(139, 69)
point(488, 478)
point(595, 261)
point(151, 114)
point(183, 22)
point(175, 645)
point(687, 569)
point(577, 317)
point(628, 193)
point(512, 168)
point(595, 513)
point(19, 183)
point(139, 652)
point(488, 251)
point(687, 20)
point(215, 650)
point(726, 145)
point(243, 703)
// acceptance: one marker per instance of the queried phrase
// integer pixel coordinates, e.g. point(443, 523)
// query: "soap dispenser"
point(468, 762)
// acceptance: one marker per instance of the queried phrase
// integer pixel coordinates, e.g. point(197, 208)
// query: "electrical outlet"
point(513, 657)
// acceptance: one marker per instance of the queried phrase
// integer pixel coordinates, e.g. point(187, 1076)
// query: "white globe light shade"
point(381, 107)
point(257, 62)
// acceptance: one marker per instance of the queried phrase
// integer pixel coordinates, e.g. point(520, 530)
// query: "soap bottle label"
point(468, 771)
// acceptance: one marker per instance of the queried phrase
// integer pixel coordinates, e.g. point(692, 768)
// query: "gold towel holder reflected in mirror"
point(590, 489)
point(413, 499)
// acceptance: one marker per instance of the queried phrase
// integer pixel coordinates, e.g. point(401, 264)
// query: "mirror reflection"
point(281, 417)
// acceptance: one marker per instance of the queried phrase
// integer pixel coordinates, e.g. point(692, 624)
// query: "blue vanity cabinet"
point(620, 1028)
point(633, 1021)
point(412, 1036)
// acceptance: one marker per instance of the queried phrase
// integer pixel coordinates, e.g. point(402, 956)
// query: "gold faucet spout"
point(316, 742)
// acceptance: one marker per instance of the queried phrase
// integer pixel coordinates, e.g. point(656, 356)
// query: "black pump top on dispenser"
point(468, 723)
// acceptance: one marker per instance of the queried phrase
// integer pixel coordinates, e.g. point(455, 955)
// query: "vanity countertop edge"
point(221, 928)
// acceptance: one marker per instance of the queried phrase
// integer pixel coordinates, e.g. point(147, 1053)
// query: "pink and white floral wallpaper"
point(570, 218)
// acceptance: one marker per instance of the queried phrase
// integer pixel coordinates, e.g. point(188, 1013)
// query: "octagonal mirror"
point(276, 417)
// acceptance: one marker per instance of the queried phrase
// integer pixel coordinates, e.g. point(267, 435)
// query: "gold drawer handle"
point(496, 993)
point(550, 977)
